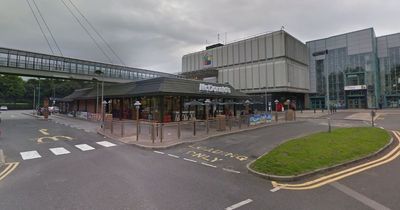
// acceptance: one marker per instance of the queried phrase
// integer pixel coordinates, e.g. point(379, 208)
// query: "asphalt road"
point(126, 177)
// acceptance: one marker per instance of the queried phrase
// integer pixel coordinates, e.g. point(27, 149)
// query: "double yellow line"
point(10, 167)
point(342, 174)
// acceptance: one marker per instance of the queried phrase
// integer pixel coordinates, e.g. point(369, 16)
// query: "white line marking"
point(159, 152)
point(174, 156)
point(190, 160)
point(275, 189)
point(59, 151)
point(84, 147)
point(358, 196)
point(30, 155)
point(106, 143)
point(206, 164)
point(235, 206)
point(230, 170)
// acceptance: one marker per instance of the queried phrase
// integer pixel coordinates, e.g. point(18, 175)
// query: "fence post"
point(194, 128)
point(122, 129)
point(112, 127)
point(152, 132)
point(161, 132)
point(179, 130)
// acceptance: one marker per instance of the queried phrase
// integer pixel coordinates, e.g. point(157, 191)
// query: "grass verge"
point(321, 150)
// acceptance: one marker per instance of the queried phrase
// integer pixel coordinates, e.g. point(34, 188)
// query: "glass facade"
point(349, 61)
point(390, 77)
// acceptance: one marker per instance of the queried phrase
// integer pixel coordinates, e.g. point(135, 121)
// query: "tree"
point(12, 87)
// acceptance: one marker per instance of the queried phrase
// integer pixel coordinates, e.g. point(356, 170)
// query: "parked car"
point(54, 109)
point(3, 108)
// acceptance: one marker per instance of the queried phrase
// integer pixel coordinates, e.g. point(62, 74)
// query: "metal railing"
point(177, 131)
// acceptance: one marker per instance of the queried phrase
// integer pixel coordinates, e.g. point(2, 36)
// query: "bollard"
point(2, 158)
point(372, 118)
point(122, 129)
point(152, 133)
point(248, 120)
point(240, 123)
point(194, 128)
point(315, 110)
point(329, 124)
point(230, 124)
point(179, 130)
point(161, 132)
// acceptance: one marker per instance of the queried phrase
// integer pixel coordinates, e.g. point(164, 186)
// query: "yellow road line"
point(320, 181)
point(10, 168)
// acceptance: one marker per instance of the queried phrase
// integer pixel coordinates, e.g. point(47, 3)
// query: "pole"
point(266, 101)
point(97, 97)
point(327, 85)
point(137, 124)
point(34, 99)
point(102, 100)
point(39, 95)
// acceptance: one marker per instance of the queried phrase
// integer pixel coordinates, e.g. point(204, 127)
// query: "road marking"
point(360, 197)
point(230, 170)
point(30, 155)
point(59, 151)
point(345, 173)
point(158, 152)
point(106, 143)
point(10, 168)
point(209, 165)
point(275, 189)
point(174, 156)
point(235, 206)
point(190, 160)
point(84, 147)
point(54, 138)
point(44, 131)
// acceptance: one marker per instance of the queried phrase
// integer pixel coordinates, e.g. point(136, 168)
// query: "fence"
point(179, 131)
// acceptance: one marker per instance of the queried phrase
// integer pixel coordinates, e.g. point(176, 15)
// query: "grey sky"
point(156, 34)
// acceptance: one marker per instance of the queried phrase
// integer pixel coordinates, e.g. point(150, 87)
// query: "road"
point(125, 177)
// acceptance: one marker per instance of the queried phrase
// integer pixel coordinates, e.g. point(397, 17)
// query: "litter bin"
point(221, 122)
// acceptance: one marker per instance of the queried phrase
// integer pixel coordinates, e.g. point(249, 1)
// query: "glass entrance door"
point(356, 103)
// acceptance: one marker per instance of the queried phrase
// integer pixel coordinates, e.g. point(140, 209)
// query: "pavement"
point(204, 175)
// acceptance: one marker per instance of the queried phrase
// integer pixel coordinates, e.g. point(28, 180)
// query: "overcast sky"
point(155, 35)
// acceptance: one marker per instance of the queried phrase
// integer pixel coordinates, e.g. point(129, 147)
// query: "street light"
point(137, 105)
point(99, 72)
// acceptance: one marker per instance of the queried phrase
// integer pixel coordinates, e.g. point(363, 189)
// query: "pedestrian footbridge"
point(26, 63)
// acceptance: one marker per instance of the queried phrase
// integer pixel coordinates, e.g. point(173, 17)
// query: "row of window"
point(69, 66)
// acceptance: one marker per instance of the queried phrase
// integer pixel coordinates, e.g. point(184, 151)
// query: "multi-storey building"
point(273, 64)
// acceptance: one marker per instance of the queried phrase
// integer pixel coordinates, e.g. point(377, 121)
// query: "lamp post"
point(99, 72)
point(247, 103)
point(207, 102)
point(137, 106)
point(104, 103)
point(276, 110)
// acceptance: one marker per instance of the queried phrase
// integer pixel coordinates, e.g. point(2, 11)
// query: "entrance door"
point(356, 103)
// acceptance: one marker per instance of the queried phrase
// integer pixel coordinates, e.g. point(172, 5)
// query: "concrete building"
point(273, 64)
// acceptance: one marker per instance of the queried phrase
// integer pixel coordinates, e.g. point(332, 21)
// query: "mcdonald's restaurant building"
point(162, 99)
